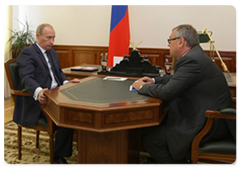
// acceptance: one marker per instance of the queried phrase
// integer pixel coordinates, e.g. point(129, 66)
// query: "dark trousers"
point(63, 142)
point(154, 141)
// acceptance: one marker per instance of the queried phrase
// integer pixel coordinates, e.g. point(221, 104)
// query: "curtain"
point(7, 54)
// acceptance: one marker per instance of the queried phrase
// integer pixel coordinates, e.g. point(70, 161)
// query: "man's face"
point(46, 40)
point(174, 45)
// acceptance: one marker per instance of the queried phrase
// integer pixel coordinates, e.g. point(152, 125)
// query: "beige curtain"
point(7, 54)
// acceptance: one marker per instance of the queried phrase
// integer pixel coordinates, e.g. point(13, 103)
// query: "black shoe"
point(59, 160)
point(150, 160)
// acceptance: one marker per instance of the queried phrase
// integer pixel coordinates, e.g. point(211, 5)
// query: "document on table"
point(115, 78)
point(86, 69)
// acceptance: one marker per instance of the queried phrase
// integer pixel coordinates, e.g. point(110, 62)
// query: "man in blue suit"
point(39, 70)
point(197, 85)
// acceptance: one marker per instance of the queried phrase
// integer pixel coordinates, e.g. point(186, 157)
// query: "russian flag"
point(119, 33)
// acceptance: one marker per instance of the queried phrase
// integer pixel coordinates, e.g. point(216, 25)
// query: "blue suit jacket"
point(34, 72)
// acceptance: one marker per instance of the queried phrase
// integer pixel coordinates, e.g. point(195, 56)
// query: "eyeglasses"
point(170, 39)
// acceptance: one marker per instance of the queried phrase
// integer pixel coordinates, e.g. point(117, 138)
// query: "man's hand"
point(144, 80)
point(147, 80)
point(74, 81)
point(42, 98)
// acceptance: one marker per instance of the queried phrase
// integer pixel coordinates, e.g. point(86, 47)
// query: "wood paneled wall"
point(77, 55)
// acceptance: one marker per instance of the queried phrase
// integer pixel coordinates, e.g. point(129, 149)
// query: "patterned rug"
point(30, 154)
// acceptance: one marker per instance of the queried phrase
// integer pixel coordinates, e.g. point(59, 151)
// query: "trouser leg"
point(218, 131)
point(63, 142)
point(156, 144)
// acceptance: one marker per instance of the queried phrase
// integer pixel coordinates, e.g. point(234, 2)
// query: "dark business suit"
point(34, 72)
point(197, 85)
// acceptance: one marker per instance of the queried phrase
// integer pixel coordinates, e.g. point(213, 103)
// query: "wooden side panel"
point(229, 61)
point(110, 121)
point(84, 57)
point(77, 55)
point(64, 57)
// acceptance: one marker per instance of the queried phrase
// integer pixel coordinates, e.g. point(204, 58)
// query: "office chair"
point(220, 151)
point(13, 78)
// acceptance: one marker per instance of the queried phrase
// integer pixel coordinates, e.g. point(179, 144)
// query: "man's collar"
point(185, 53)
point(42, 50)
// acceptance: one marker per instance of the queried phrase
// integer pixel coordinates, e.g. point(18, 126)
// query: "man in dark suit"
point(39, 70)
point(197, 85)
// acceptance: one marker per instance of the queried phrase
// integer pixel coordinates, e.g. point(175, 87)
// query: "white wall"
point(152, 24)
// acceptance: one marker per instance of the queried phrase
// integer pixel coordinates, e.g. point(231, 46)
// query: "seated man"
point(39, 70)
point(197, 85)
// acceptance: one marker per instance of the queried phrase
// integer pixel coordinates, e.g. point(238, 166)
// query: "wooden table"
point(108, 131)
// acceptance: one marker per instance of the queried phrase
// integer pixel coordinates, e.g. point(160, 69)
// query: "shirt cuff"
point(36, 92)
point(66, 81)
point(153, 80)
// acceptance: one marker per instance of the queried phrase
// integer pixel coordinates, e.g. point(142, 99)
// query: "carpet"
point(30, 154)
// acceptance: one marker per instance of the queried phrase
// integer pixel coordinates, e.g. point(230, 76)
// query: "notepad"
point(87, 69)
point(110, 78)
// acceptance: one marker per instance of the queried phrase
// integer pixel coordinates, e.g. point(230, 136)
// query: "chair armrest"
point(226, 113)
point(24, 91)
point(19, 92)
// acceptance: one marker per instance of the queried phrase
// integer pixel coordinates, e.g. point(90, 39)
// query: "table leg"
point(119, 147)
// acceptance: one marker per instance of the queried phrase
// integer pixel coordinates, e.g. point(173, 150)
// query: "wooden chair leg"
point(37, 139)
point(51, 138)
point(19, 142)
point(194, 157)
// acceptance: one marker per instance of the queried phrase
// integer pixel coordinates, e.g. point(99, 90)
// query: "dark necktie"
point(55, 81)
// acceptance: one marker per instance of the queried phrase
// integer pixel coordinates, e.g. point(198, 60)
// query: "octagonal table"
point(107, 116)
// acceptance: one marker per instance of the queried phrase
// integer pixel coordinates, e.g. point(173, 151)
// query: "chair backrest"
point(12, 74)
point(13, 78)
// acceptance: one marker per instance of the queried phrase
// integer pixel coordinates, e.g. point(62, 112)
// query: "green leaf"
point(22, 38)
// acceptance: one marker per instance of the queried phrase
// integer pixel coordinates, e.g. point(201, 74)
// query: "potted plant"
point(21, 39)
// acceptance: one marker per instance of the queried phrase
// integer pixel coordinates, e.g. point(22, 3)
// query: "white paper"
point(110, 78)
point(116, 60)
